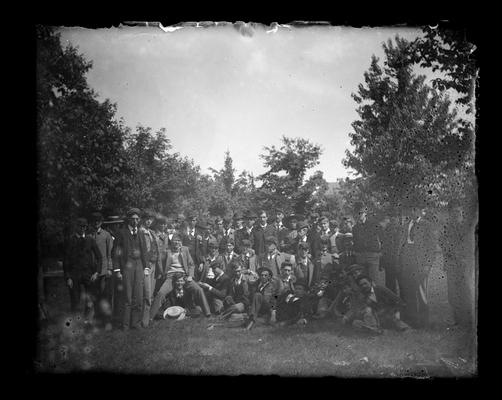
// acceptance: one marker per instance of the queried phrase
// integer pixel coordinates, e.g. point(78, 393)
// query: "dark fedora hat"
point(133, 211)
point(301, 224)
point(261, 269)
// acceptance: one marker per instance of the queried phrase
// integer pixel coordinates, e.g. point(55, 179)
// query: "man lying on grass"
point(377, 308)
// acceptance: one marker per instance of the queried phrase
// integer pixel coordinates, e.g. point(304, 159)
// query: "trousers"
point(149, 287)
point(371, 262)
point(133, 280)
point(195, 290)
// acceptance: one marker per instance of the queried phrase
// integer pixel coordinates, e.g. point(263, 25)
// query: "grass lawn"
point(205, 347)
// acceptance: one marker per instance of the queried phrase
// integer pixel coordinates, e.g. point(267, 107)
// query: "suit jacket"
point(227, 262)
point(239, 291)
point(190, 241)
point(122, 245)
point(324, 264)
point(305, 274)
point(386, 299)
point(186, 261)
point(151, 247)
point(82, 258)
point(163, 245)
point(259, 236)
point(224, 240)
point(186, 301)
point(201, 276)
point(269, 291)
point(274, 263)
point(201, 248)
point(240, 235)
point(296, 241)
point(220, 287)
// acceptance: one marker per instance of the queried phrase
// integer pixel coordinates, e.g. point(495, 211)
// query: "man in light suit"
point(416, 255)
point(263, 299)
point(272, 259)
point(179, 260)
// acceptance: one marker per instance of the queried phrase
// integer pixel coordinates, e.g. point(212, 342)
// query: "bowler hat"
point(97, 216)
point(303, 245)
point(160, 219)
point(133, 211)
point(180, 218)
point(250, 215)
point(271, 240)
point(81, 221)
point(238, 215)
point(302, 224)
point(191, 215)
point(227, 220)
point(355, 268)
point(149, 214)
point(246, 243)
point(261, 269)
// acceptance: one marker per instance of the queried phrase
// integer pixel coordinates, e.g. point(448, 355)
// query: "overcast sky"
point(215, 89)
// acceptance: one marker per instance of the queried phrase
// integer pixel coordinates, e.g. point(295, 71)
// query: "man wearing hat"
point(237, 300)
point(104, 241)
point(263, 299)
point(131, 255)
point(416, 255)
point(367, 237)
point(152, 257)
point(301, 237)
point(245, 233)
point(178, 260)
point(304, 267)
point(82, 265)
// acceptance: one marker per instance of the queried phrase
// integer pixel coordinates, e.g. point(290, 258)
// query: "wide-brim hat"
point(261, 269)
point(133, 211)
point(250, 215)
point(113, 219)
point(238, 215)
point(303, 245)
point(174, 312)
point(297, 217)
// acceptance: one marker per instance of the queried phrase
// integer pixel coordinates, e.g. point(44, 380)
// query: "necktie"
point(180, 259)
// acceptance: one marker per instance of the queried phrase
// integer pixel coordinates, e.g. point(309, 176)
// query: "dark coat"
point(239, 292)
point(221, 287)
point(240, 235)
point(122, 245)
point(259, 235)
point(420, 255)
point(201, 276)
point(82, 258)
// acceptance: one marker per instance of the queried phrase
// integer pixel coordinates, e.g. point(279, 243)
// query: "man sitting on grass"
point(183, 298)
point(378, 309)
point(216, 289)
point(263, 300)
point(237, 300)
point(294, 308)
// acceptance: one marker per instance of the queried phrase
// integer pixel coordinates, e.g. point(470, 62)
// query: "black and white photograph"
point(293, 199)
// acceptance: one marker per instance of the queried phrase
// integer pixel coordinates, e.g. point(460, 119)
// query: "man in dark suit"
point(246, 232)
point(250, 263)
point(212, 260)
point(366, 235)
point(260, 232)
point(416, 255)
point(295, 307)
point(189, 235)
point(228, 255)
point(379, 308)
point(301, 237)
point(130, 251)
point(216, 289)
point(82, 265)
point(263, 299)
point(237, 300)
point(390, 242)
point(179, 260)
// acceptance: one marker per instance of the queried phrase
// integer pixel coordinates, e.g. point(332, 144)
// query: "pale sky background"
point(215, 89)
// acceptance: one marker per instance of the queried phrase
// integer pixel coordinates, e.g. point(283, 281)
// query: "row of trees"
point(409, 141)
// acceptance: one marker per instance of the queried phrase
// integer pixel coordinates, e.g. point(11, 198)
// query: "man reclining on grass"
point(294, 308)
point(377, 308)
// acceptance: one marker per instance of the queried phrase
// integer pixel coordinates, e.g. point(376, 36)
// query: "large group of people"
point(128, 271)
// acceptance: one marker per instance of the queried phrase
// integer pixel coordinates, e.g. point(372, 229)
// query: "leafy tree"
point(407, 134)
point(283, 183)
point(79, 142)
